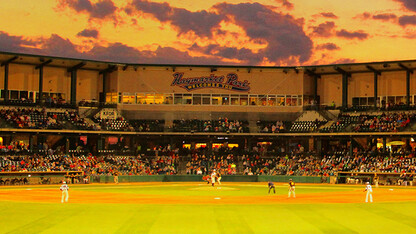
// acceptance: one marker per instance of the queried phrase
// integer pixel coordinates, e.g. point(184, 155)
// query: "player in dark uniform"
point(271, 186)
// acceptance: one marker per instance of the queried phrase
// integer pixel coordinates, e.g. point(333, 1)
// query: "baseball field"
point(199, 208)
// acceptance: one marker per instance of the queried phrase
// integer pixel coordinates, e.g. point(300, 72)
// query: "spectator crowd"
point(92, 165)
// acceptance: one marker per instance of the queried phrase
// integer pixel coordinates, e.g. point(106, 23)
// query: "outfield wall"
point(196, 178)
point(56, 179)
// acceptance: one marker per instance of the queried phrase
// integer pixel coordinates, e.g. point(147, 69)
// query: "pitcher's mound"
point(207, 188)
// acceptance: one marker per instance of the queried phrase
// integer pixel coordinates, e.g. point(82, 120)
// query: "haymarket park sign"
point(230, 82)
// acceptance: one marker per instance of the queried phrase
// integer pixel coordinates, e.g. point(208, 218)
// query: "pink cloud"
point(360, 35)
point(103, 9)
point(324, 30)
point(328, 46)
point(92, 33)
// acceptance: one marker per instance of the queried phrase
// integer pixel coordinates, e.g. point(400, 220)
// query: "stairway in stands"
point(252, 126)
point(240, 168)
point(181, 167)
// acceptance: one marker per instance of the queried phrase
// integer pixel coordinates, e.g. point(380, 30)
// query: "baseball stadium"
point(152, 116)
point(183, 149)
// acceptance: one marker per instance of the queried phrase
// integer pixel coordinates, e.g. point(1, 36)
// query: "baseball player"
point(116, 177)
point(64, 188)
point(213, 175)
point(219, 178)
point(271, 186)
point(369, 191)
point(206, 178)
point(291, 188)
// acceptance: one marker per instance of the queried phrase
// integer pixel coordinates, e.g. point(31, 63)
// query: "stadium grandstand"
point(91, 118)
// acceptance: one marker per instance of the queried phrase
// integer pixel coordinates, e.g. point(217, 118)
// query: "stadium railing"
point(196, 178)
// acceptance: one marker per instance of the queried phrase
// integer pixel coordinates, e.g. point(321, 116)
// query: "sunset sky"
point(232, 32)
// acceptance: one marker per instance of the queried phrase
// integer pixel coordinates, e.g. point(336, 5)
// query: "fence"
point(196, 178)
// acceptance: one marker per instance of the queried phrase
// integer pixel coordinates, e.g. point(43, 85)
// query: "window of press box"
point(110, 97)
point(400, 100)
point(244, 100)
point(140, 98)
point(280, 100)
point(225, 99)
point(391, 100)
point(216, 99)
point(209, 99)
point(187, 99)
point(206, 99)
point(150, 98)
point(271, 100)
point(24, 95)
point(177, 98)
point(196, 99)
point(235, 100)
point(253, 100)
point(14, 94)
point(168, 99)
point(263, 100)
point(128, 99)
point(159, 99)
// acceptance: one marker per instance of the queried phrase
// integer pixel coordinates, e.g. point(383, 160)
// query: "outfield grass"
point(54, 217)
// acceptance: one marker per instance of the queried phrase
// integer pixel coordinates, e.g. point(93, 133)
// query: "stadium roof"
point(317, 70)
point(377, 67)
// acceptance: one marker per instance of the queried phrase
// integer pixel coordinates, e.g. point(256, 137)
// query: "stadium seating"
point(272, 126)
point(306, 126)
point(220, 125)
point(148, 125)
point(114, 124)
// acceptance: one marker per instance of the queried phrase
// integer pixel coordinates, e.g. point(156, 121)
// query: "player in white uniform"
point(369, 191)
point(291, 188)
point(64, 188)
point(213, 175)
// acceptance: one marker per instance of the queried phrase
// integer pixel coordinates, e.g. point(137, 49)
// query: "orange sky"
point(268, 32)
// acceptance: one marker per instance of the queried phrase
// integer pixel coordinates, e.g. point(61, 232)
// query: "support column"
point(6, 77)
point(31, 142)
point(407, 144)
point(375, 89)
point(345, 90)
point(6, 82)
point(74, 87)
point(67, 145)
point(100, 143)
point(384, 144)
point(40, 67)
point(105, 74)
point(105, 88)
point(209, 146)
point(407, 87)
point(40, 83)
point(318, 146)
point(73, 70)
point(315, 90)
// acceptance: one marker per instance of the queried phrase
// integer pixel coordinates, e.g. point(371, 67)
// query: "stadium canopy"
point(317, 70)
point(376, 67)
point(38, 60)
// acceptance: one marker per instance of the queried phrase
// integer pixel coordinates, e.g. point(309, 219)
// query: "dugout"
point(384, 178)
point(33, 177)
